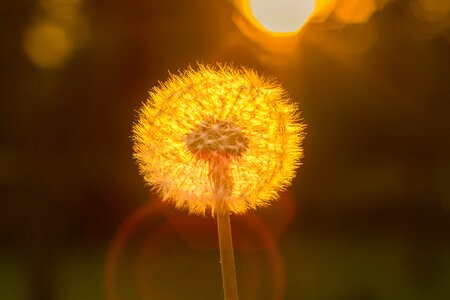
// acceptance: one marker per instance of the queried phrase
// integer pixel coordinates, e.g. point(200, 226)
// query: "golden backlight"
point(280, 16)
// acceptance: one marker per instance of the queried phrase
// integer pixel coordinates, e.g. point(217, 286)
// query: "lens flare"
point(48, 45)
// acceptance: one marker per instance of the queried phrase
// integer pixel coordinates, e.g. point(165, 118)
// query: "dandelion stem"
point(226, 251)
point(219, 173)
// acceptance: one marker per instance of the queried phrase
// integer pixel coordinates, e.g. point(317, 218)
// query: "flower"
point(218, 132)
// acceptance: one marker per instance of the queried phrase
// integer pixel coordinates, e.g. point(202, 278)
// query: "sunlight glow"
point(281, 16)
point(355, 12)
point(62, 9)
point(431, 11)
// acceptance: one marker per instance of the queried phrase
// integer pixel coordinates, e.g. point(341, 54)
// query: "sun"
point(280, 17)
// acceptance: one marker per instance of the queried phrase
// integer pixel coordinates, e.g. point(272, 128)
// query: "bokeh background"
point(367, 217)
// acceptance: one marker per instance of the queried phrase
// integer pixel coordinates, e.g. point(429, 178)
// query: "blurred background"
point(367, 217)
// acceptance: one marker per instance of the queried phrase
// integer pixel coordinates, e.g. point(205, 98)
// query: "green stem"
point(226, 251)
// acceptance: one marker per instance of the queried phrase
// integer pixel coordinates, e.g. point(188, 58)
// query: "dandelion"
point(221, 140)
point(218, 124)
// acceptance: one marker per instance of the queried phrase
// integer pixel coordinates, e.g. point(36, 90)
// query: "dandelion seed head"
point(218, 130)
